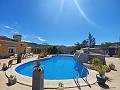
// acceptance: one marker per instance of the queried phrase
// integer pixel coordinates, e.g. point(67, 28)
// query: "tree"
point(78, 46)
point(49, 50)
point(91, 40)
point(66, 49)
point(84, 43)
point(105, 45)
point(54, 50)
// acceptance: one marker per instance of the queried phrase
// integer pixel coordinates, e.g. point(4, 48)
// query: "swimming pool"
point(55, 68)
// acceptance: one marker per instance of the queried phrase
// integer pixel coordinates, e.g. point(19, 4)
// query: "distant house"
point(13, 46)
point(113, 49)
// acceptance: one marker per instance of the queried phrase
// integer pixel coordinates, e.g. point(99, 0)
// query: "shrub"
point(45, 54)
point(11, 76)
point(4, 64)
point(37, 64)
point(4, 67)
point(19, 55)
point(96, 61)
point(112, 66)
point(100, 69)
point(60, 84)
point(107, 69)
point(42, 55)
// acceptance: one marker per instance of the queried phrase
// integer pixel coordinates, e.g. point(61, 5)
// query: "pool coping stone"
point(69, 83)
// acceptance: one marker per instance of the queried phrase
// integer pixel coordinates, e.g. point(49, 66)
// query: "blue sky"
point(61, 22)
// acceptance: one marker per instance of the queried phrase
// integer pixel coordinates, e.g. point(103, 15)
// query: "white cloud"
point(11, 29)
point(39, 38)
point(16, 32)
point(26, 41)
point(6, 26)
point(24, 36)
point(34, 36)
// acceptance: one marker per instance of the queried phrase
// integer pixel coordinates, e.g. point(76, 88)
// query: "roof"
point(6, 38)
point(17, 35)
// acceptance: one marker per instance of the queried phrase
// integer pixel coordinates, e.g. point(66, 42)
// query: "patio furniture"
point(10, 63)
point(30, 55)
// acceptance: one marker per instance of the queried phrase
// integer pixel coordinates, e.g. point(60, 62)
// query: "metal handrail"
point(80, 75)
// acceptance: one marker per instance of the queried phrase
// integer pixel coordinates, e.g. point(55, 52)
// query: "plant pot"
point(4, 68)
point(112, 67)
point(60, 88)
point(18, 59)
point(101, 79)
point(12, 81)
point(38, 79)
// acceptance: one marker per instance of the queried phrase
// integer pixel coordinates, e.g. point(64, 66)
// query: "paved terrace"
point(26, 82)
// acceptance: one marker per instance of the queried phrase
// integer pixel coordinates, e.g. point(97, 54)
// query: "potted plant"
point(4, 67)
point(38, 77)
point(96, 61)
point(37, 65)
point(60, 86)
point(19, 55)
point(107, 69)
point(12, 79)
point(112, 66)
point(101, 78)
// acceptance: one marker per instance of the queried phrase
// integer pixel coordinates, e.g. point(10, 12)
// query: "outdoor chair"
point(10, 63)
point(14, 57)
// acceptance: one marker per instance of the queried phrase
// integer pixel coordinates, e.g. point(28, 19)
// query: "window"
point(11, 50)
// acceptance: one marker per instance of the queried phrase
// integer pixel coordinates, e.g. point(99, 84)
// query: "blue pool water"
point(55, 68)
